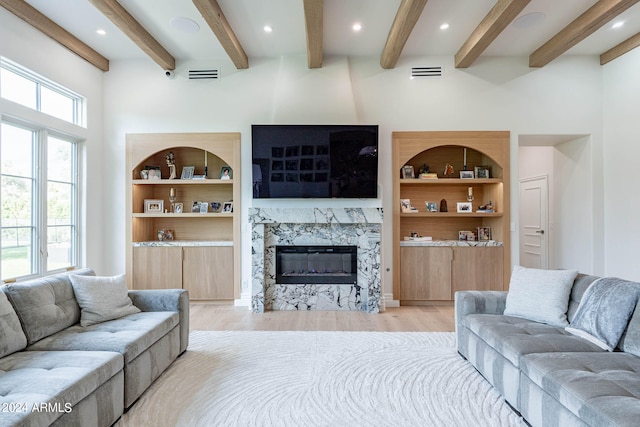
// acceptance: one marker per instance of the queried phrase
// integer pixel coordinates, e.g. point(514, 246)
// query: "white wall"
point(494, 94)
point(28, 47)
point(621, 157)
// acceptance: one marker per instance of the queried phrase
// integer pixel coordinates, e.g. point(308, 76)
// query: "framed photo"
point(215, 206)
point(407, 172)
point(431, 206)
point(466, 174)
point(484, 233)
point(187, 172)
point(405, 205)
point(464, 207)
point(482, 172)
point(153, 172)
point(153, 206)
point(178, 207)
point(466, 236)
point(225, 172)
point(227, 207)
point(196, 207)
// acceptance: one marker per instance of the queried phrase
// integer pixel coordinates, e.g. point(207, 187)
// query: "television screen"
point(315, 161)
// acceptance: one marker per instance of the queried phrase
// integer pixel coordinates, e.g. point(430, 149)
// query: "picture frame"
point(227, 207)
point(215, 206)
point(466, 236)
point(431, 206)
point(153, 172)
point(482, 172)
point(187, 172)
point(153, 206)
point(484, 233)
point(225, 172)
point(464, 207)
point(408, 172)
point(178, 208)
point(405, 205)
point(196, 207)
point(466, 174)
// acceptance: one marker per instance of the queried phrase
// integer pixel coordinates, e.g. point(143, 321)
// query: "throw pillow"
point(12, 337)
point(102, 298)
point(540, 295)
point(605, 310)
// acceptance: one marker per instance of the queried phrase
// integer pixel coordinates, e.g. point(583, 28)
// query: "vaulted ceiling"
point(214, 31)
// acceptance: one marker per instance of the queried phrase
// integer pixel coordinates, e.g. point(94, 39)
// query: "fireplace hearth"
point(316, 265)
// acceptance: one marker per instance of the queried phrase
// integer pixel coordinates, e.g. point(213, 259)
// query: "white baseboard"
point(389, 302)
point(244, 301)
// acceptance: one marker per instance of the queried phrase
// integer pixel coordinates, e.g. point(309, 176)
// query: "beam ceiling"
point(619, 50)
point(498, 18)
point(313, 19)
point(408, 13)
point(582, 27)
point(212, 13)
point(33, 17)
point(136, 32)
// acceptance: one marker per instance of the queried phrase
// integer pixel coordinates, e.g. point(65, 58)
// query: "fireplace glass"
point(316, 265)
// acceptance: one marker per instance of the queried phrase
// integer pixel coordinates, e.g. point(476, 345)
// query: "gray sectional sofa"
point(53, 371)
point(552, 377)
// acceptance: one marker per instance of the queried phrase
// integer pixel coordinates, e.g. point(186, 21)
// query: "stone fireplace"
point(307, 235)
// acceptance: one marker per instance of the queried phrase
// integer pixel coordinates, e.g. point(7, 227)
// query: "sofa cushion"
point(102, 298)
point(45, 305)
point(514, 337)
point(580, 286)
point(601, 389)
point(605, 310)
point(130, 335)
point(12, 336)
point(59, 379)
point(630, 341)
point(540, 295)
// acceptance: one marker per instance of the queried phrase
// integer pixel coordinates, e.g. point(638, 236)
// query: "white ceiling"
point(248, 17)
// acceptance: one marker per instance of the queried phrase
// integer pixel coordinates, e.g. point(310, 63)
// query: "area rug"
point(320, 379)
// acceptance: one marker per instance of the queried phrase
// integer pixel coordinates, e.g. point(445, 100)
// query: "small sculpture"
point(448, 170)
point(424, 169)
point(443, 206)
point(171, 162)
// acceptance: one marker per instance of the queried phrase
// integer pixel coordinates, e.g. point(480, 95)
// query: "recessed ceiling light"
point(529, 20)
point(267, 28)
point(101, 32)
point(444, 26)
point(185, 25)
point(357, 26)
point(618, 24)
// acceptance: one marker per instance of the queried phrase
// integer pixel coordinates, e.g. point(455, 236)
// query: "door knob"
point(540, 231)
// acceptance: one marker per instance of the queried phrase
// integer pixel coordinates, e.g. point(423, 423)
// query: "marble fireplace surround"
point(360, 227)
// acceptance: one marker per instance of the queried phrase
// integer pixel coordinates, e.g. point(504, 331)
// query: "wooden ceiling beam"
point(408, 14)
point(212, 13)
point(498, 18)
point(136, 32)
point(33, 17)
point(582, 27)
point(620, 49)
point(313, 19)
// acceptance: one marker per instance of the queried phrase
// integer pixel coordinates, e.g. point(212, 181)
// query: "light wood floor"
point(213, 317)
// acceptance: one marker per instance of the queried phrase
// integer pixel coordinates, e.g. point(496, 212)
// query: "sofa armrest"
point(166, 300)
point(475, 302)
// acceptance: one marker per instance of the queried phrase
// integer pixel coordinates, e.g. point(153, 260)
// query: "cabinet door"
point(208, 272)
point(157, 267)
point(425, 273)
point(478, 268)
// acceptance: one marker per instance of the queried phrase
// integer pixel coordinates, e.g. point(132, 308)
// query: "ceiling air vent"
point(208, 74)
point(426, 72)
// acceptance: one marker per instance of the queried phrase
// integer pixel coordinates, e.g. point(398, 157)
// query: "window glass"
point(17, 201)
point(18, 89)
point(56, 104)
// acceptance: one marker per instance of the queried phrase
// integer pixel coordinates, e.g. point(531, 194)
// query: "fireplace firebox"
point(316, 265)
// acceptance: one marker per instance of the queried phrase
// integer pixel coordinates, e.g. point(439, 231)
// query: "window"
point(24, 87)
point(38, 179)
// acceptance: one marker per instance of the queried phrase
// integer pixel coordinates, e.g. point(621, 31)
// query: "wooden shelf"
point(450, 181)
point(451, 214)
point(183, 215)
point(182, 181)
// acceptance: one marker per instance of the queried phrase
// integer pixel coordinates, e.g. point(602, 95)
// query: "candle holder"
point(470, 194)
point(172, 199)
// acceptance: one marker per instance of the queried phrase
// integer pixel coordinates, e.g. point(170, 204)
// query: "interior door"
point(534, 217)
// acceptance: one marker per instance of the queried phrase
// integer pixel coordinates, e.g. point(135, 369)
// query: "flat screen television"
point(315, 161)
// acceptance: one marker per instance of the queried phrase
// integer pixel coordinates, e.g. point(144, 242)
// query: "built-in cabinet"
point(435, 270)
point(203, 253)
